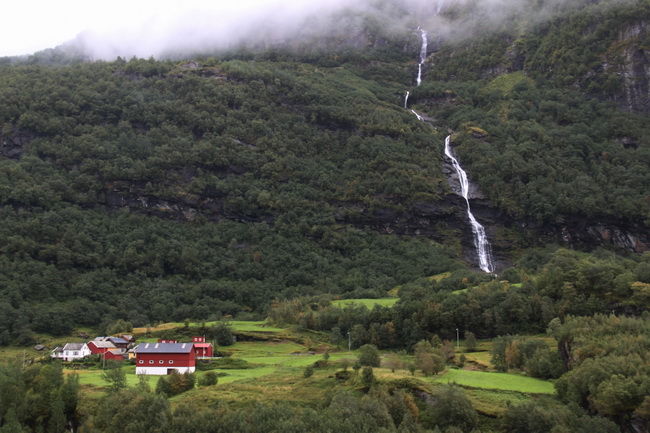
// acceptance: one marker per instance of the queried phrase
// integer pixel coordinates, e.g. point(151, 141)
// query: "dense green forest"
point(266, 183)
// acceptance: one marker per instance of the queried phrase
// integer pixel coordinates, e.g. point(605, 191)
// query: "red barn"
point(163, 358)
point(201, 348)
point(100, 346)
point(115, 354)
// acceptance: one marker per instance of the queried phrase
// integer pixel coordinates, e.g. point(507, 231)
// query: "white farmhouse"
point(72, 351)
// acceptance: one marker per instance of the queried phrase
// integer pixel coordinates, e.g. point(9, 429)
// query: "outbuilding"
point(164, 358)
point(100, 346)
point(201, 348)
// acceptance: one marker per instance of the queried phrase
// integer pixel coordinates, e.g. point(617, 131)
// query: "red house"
point(201, 348)
point(164, 358)
point(116, 354)
point(119, 342)
point(100, 346)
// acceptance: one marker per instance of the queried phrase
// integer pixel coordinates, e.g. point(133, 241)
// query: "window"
point(151, 361)
point(171, 361)
point(161, 362)
point(141, 361)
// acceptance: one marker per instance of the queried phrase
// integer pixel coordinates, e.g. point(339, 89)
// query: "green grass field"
point(495, 381)
point(237, 325)
point(369, 303)
point(278, 359)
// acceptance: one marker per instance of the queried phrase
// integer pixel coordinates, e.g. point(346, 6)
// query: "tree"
point(70, 397)
point(115, 376)
point(369, 355)
point(428, 359)
point(119, 326)
point(115, 413)
point(393, 362)
point(56, 424)
point(498, 352)
point(210, 378)
point(222, 334)
point(450, 408)
point(470, 341)
point(367, 377)
point(11, 423)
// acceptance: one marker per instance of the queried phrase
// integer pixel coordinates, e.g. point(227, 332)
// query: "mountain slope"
point(155, 190)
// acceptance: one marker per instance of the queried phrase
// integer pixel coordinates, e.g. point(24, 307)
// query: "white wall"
point(161, 370)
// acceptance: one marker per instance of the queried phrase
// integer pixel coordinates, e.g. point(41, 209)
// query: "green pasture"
point(368, 303)
point(237, 325)
point(494, 403)
point(94, 377)
point(264, 348)
point(496, 381)
point(481, 359)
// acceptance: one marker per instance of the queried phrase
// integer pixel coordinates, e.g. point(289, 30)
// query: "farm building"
point(119, 342)
point(57, 352)
point(72, 351)
point(164, 358)
point(100, 346)
point(201, 348)
point(115, 354)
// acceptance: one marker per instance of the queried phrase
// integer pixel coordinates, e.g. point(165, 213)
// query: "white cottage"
point(72, 351)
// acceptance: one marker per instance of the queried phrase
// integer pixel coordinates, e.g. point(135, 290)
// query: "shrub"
point(369, 355)
point(209, 379)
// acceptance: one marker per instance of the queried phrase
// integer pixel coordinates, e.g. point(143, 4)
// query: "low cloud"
point(195, 26)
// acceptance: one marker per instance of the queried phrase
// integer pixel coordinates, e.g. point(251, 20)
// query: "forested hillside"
point(270, 178)
point(212, 186)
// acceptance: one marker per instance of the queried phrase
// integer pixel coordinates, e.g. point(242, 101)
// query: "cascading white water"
point(441, 3)
point(423, 54)
point(480, 239)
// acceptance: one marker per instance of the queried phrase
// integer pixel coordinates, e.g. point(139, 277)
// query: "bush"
point(367, 377)
point(369, 355)
point(222, 334)
point(175, 383)
point(209, 379)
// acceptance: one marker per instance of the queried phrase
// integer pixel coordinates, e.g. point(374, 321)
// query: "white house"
point(57, 352)
point(72, 351)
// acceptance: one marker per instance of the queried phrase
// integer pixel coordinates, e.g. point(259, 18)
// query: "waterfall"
point(480, 239)
point(417, 115)
point(406, 99)
point(441, 3)
point(423, 54)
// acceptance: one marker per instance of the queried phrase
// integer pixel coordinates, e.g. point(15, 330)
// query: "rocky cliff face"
point(628, 59)
point(444, 221)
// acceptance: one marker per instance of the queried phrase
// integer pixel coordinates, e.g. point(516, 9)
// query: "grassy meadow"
point(368, 303)
point(271, 362)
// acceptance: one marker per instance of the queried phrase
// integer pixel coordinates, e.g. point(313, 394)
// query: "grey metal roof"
point(74, 346)
point(164, 348)
point(103, 344)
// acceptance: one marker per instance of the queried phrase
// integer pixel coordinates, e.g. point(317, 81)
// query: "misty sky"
point(106, 29)
point(143, 27)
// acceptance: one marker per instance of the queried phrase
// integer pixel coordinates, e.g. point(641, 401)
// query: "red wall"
point(111, 355)
point(94, 349)
point(180, 359)
point(203, 351)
